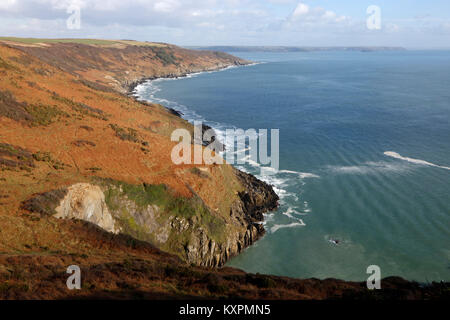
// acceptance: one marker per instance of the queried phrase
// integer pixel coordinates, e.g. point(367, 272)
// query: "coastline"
point(38, 247)
point(173, 76)
point(132, 93)
point(238, 209)
point(253, 205)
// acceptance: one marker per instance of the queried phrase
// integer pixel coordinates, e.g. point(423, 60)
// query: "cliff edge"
point(111, 154)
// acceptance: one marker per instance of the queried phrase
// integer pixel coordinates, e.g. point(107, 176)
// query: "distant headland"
point(293, 49)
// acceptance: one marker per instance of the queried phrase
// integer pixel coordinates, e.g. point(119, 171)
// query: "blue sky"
point(408, 23)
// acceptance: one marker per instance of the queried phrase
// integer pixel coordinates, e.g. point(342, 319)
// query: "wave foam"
point(277, 227)
point(302, 175)
point(279, 179)
point(412, 160)
point(368, 168)
point(290, 212)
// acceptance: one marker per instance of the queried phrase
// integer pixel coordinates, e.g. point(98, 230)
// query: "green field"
point(80, 41)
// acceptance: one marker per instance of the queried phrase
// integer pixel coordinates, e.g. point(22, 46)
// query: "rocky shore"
point(130, 86)
point(257, 198)
point(247, 213)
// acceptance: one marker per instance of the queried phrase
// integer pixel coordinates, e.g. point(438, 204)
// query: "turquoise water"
point(338, 113)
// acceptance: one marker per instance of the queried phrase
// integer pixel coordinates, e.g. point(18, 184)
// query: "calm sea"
point(365, 149)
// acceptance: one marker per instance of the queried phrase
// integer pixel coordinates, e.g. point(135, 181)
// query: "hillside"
point(121, 64)
point(64, 124)
point(86, 178)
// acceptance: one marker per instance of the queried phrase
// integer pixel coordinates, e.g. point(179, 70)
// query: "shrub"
point(87, 128)
point(165, 56)
point(47, 157)
point(127, 134)
point(199, 172)
point(11, 108)
point(81, 107)
point(81, 143)
point(45, 203)
point(44, 115)
point(260, 281)
point(16, 157)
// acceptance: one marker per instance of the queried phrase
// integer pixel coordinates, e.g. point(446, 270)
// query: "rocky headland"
point(186, 223)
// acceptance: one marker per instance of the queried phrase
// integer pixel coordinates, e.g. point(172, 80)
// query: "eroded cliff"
point(97, 155)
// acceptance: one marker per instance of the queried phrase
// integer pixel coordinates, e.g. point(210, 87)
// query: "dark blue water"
point(338, 113)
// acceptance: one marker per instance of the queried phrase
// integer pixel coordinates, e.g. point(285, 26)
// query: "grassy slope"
point(89, 133)
point(120, 63)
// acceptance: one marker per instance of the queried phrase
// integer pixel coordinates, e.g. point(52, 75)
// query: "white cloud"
point(245, 22)
point(392, 27)
point(300, 10)
point(329, 15)
point(313, 17)
point(166, 6)
point(7, 4)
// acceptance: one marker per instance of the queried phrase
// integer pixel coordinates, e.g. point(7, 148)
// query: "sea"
point(364, 154)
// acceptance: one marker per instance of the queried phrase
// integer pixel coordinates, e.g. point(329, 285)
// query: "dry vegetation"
point(62, 121)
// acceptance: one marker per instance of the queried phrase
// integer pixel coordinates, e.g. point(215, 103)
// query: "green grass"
point(169, 204)
point(81, 41)
point(130, 227)
point(159, 195)
point(40, 40)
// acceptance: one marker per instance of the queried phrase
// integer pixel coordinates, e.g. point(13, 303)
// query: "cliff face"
point(246, 213)
point(198, 238)
point(111, 154)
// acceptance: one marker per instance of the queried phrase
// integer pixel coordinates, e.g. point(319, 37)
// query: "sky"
point(406, 23)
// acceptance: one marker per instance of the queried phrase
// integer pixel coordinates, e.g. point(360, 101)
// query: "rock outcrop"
point(246, 214)
point(191, 238)
point(201, 239)
point(86, 202)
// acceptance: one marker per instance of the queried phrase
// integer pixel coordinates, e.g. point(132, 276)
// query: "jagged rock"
point(247, 212)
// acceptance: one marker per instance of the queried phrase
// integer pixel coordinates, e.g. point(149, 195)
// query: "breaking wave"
point(412, 160)
point(369, 168)
point(277, 227)
point(285, 183)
